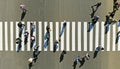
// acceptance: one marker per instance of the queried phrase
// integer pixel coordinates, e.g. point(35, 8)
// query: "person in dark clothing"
point(32, 28)
point(94, 10)
point(112, 14)
point(26, 34)
point(22, 7)
point(32, 41)
point(82, 62)
point(47, 36)
point(36, 52)
point(99, 48)
point(56, 44)
point(78, 59)
point(117, 37)
point(91, 24)
point(18, 41)
point(63, 29)
point(62, 56)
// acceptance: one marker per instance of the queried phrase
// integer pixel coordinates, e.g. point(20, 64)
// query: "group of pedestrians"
point(110, 17)
point(94, 18)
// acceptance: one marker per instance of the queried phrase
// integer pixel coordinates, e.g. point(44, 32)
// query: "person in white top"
point(22, 7)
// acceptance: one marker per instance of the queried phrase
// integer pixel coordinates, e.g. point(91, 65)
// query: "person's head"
point(102, 48)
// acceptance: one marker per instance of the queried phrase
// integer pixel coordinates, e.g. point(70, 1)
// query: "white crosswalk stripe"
point(79, 36)
point(68, 36)
point(73, 39)
point(40, 36)
point(51, 36)
point(1, 36)
point(62, 38)
point(6, 35)
point(28, 29)
point(11, 36)
point(85, 36)
point(114, 37)
point(97, 34)
point(90, 40)
point(108, 39)
point(102, 34)
point(57, 33)
point(118, 41)
point(45, 25)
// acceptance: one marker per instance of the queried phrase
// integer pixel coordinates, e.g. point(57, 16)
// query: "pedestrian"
point(19, 45)
point(23, 9)
point(78, 59)
point(63, 29)
point(32, 29)
point(92, 23)
point(47, 34)
point(36, 52)
point(95, 9)
point(99, 48)
point(56, 44)
point(32, 41)
point(87, 56)
point(82, 62)
point(112, 14)
point(30, 62)
point(62, 56)
point(117, 37)
point(26, 34)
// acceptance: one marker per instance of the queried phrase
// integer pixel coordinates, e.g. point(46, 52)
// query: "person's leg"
point(46, 43)
point(107, 29)
point(95, 54)
point(23, 15)
point(90, 27)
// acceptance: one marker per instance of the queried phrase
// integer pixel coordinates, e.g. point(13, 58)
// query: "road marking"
point(108, 39)
point(73, 36)
point(6, 36)
point(45, 25)
point(119, 40)
point(102, 34)
point(40, 36)
point(114, 37)
point(57, 33)
point(68, 36)
point(85, 36)
point(51, 36)
point(62, 38)
point(97, 35)
point(23, 47)
point(1, 36)
point(17, 33)
point(11, 36)
point(79, 36)
point(28, 29)
point(91, 40)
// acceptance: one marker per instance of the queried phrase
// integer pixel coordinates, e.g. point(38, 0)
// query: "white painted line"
point(73, 36)
point(28, 29)
point(85, 36)
point(57, 33)
point(51, 36)
point(11, 36)
point(119, 40)
point(97, 35)
point(1, 36)
point(91, 40)
point(45, 25)
point(34, 34)
point(68, 36)
point(17, 33)
point(79, 36)
point(6, 36)
point(108, 39)
point(102, 34)
point(114, 37)
point(40, 36)
point(62, 38)
point(23, 47)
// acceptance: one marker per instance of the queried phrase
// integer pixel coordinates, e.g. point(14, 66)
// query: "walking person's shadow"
point(62, 56)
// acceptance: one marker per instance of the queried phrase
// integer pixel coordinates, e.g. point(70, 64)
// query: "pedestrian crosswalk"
point(74, 38)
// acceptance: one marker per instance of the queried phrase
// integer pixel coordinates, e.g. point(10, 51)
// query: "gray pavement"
point(55, 10)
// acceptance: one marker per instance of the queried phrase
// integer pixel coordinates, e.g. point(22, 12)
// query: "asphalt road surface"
point(52, 11)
